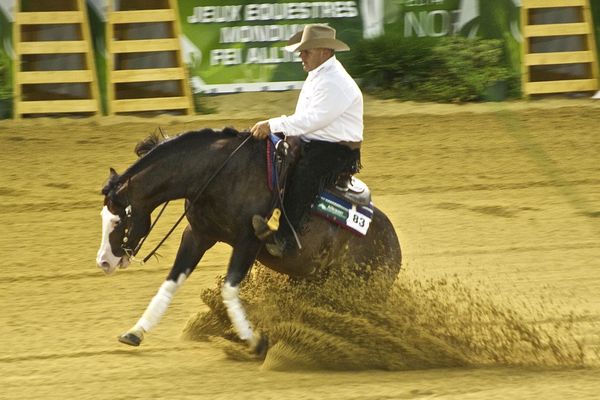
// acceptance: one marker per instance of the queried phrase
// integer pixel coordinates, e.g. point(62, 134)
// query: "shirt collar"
point(330, 61)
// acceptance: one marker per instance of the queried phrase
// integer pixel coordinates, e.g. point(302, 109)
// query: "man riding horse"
point(218, 173)
point(329, 121)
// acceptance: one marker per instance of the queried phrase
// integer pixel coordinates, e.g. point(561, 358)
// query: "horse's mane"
point(154, 145)
point(144, 146)
point(154, 140)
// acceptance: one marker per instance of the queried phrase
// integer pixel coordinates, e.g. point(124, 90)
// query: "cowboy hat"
point(315, 36)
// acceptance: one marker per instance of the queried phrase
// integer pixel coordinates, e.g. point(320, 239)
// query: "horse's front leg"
point(243, 256)
point(189, 254)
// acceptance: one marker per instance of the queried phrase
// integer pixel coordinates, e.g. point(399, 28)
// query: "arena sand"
point(497, 207)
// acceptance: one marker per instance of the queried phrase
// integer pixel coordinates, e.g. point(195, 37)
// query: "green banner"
point(5, 65)
point(238, 45)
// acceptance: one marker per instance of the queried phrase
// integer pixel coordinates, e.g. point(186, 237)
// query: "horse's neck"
point(170, 177)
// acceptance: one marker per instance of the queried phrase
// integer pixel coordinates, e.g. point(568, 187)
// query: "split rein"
point(132, 253)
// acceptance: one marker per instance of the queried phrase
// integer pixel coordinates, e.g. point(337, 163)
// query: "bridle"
point(128, 227)
point(127, 220)
point(131, 253)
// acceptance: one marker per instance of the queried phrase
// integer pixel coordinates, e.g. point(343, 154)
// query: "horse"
point(221, 175)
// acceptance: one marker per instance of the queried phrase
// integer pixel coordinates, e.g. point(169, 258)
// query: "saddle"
point(352, 189)
point(347, 202)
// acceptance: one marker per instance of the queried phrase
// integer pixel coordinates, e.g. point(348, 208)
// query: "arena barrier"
point(54, 68)
point(139, 34)
point(564, 24)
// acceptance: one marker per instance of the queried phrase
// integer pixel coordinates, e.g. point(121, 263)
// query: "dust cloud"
point(345, 323)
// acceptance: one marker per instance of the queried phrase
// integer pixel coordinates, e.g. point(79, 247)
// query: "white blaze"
point(105, 256)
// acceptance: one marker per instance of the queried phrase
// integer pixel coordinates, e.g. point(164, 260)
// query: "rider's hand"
point(261, 130)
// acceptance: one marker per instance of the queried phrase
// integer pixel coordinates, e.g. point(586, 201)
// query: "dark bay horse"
point(179, 168)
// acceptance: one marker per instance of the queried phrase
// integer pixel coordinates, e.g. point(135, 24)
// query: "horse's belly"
point(298, 267)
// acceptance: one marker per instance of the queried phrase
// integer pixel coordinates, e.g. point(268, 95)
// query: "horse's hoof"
point(132, 338)
point(261, 347)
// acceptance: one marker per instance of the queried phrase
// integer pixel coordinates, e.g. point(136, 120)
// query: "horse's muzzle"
point(109, 267)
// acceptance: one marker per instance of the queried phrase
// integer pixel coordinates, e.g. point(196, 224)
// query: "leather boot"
point(277, 246)
point(261, 228)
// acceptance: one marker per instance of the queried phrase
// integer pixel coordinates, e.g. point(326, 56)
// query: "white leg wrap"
point(158, 305)
point(236, 312)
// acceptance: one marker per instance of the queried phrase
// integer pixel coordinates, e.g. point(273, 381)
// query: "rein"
point(195, 198)
point(141, 243)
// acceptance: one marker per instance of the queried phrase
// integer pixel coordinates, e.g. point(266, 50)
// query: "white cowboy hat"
point(315, 36)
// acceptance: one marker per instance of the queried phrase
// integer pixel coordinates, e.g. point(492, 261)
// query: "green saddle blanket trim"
point(342, 212)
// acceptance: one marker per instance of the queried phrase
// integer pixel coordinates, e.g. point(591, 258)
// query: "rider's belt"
point(351, 145)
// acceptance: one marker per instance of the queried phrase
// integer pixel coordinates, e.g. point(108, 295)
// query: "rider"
point(329, 121)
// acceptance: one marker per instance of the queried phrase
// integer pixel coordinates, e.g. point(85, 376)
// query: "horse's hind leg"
point(189, 254)
point(242, 258)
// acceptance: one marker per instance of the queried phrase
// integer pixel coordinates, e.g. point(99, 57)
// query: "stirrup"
point(343, 182)
point(261, 229)
point(264, 228)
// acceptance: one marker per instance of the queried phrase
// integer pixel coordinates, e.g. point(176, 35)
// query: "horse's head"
point(123, 226)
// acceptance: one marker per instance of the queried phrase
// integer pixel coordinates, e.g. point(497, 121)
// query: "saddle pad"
point(340, 211)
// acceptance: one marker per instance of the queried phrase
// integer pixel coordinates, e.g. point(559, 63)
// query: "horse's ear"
point(112, 178)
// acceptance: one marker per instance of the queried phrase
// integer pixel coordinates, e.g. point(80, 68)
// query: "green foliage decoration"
point(5, 86)
point(391, 59)
point(450, 69)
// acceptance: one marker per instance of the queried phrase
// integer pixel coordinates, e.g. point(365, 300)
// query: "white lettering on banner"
point(225, 57)
point(258, 33)
point(264, 26)
point(274, 12)
point(268, 55)
point(420, 3)
point(254, 55)
point(306, 10)
point(209, 14)
point(264, 12)
point(433, 23)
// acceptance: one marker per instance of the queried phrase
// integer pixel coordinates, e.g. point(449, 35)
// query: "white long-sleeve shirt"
point(329, 108)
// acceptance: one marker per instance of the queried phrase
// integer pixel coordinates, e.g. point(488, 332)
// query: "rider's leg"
point(319, 166)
